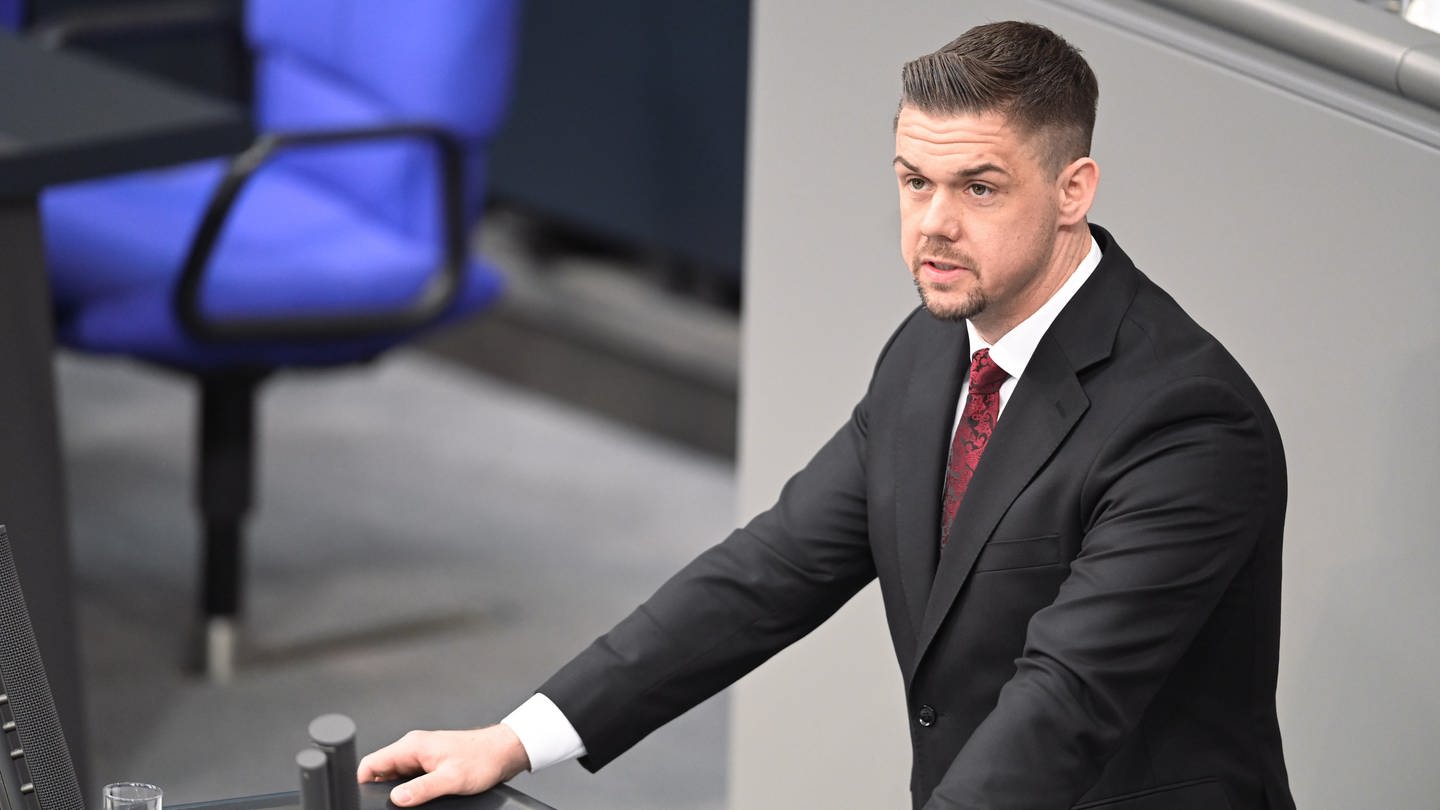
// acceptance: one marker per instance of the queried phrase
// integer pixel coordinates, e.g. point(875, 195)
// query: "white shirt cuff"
point(547, 735)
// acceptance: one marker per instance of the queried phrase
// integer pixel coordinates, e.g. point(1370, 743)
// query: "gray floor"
point(430, 544)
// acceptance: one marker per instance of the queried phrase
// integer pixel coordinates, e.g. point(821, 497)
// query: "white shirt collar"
point(1013, 351)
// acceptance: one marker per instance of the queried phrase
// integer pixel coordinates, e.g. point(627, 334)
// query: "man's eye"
point(980, 190)
point(915, 183)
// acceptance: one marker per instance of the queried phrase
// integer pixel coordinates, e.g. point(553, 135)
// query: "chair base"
point(220, 643)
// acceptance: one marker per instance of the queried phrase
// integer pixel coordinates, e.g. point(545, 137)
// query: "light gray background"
point(1306, 239)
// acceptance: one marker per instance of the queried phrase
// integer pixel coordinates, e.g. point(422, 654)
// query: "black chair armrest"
point(159, 19)
point(440, 289)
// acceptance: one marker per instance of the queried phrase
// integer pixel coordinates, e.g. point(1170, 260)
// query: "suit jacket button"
point(926, 716)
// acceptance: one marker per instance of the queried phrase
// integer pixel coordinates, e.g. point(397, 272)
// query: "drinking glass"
point(132, 796)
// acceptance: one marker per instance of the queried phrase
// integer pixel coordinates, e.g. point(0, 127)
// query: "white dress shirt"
point(1014, 349)
point(543, 729)
point(545, 732)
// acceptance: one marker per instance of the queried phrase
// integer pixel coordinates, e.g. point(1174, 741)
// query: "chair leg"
point(222, 583)
point(225, 491)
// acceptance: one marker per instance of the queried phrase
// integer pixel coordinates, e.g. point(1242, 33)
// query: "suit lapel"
point(1047, 402)
point(927, 418)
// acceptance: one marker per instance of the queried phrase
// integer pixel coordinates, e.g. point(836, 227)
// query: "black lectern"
point(375, 796)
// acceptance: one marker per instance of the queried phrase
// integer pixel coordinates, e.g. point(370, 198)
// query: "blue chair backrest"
point(337, 64)
point(12, 14)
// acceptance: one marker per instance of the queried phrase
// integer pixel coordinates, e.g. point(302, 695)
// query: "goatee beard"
point(973, 304)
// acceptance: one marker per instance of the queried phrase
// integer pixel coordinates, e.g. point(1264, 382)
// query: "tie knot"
point(985, 376)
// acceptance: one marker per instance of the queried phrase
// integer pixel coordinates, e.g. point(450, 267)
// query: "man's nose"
point(941, 218)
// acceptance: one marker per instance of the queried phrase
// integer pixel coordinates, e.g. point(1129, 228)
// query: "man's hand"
point(450, 763)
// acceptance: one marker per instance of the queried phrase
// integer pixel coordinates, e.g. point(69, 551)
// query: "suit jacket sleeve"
point(766, 586)
point(1173, 506)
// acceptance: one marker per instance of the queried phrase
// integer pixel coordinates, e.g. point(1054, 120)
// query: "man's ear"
point(1076, 188)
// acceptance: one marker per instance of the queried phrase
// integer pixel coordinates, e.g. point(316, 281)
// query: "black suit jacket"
point(1102, 630)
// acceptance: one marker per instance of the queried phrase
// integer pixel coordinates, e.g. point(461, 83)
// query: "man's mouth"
point(940, 268)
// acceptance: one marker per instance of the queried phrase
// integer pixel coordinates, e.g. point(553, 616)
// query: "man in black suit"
point(1072, 496)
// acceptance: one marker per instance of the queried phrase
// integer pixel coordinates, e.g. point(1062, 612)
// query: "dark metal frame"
point(440, 290)
point(226, 420)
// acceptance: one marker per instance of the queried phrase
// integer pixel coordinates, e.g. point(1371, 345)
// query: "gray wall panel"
point(821, 725)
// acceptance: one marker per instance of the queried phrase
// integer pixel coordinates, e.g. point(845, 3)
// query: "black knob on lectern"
point(334, 734)
point(314, 779)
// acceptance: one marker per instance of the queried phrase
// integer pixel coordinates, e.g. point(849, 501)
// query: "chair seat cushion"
point(116, 247)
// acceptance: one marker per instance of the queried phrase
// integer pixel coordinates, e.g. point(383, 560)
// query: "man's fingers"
point(447, 763)
point(423, 788)
point(400, 758)
point(369, 770)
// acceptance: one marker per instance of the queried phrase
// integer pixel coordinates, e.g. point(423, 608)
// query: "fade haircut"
point(1023, 71)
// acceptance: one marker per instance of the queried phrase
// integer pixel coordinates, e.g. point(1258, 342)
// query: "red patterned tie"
point(977, 421)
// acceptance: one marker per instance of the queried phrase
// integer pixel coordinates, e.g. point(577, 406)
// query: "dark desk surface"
point(65, 115)
point(375, 796)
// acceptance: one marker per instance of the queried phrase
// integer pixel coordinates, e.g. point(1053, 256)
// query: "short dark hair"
point(1024, 71)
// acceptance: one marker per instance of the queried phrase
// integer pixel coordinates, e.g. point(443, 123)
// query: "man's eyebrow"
point(983, 168)
point(963, 174)
point(907, 164)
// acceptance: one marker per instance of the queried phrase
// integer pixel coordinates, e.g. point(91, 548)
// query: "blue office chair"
point(340, 234)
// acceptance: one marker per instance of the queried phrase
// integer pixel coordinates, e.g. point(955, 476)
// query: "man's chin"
point(950, 307)
point(951, 314)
